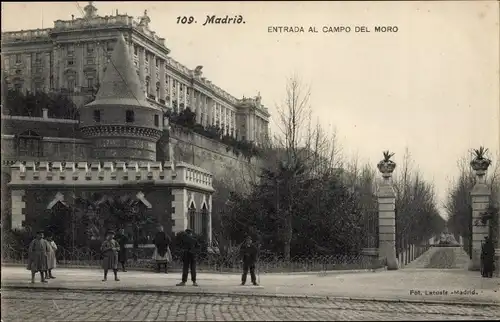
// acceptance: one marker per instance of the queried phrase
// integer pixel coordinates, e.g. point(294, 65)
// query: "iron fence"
point(142, 259)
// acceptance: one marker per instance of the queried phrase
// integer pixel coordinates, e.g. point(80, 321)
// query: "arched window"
point(205, 220)
point(29, 144)
point(130, 116)
point(192, 217)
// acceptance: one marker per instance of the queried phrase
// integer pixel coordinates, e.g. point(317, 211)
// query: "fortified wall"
point(60, 139)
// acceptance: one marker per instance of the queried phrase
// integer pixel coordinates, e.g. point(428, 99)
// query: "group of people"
point(42, 255)
point(487, 258)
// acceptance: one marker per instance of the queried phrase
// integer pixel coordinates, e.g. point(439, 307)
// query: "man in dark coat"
point(488, 258)
point(249, 258)
point(190, 247)
point(122, 240)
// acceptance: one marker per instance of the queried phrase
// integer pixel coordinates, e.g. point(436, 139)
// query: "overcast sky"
point(432, 87)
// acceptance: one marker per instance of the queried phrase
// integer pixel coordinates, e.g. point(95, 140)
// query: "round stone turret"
point(120, 122)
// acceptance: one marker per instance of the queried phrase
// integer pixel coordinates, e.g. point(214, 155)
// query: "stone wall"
point(214, 156)
point(64, 149)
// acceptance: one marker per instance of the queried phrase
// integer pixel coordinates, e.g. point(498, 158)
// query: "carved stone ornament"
point(386, 166)
point(480, 163)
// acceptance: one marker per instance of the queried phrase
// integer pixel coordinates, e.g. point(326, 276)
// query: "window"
point(71, 62)
point(19, 72)
point(192, 218)
point(90, 48)
point(147, 56)
point(29, 144)
point(71, 50)
point(157, 120)
point(147, 84)
point(129, 116)
point(90, 82)
point(157, 63)
point(109, 46)
point(204, 222)
point(187, 90)
point(38, 57)
point(181, 87)
point(97, 116)
point(136, 50)
point(18, 59)
point(71, 84)
point(90, 61)
point(173, 83)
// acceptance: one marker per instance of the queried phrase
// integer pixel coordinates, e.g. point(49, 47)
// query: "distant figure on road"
point(51, 257)
point(122, 240)
point(37, 257)
point(487, 258)
point(110, 249)
point(189, 246)
point(249, 258)
point(162, 254)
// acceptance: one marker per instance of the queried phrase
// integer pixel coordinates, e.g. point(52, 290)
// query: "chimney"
point(72, 17)
point(45, 113)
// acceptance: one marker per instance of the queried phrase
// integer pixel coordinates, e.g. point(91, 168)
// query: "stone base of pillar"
point(475, 262)
point(388, 255)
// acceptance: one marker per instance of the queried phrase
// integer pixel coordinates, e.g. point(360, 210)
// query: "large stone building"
point(120, 130)
point(72, 58)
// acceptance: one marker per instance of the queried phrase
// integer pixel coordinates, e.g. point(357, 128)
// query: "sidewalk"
point(380, 286)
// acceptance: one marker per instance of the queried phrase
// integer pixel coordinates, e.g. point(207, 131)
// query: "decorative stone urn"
point(480, 163)
point(387, 166)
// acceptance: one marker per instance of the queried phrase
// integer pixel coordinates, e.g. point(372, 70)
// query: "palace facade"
point(72, 58)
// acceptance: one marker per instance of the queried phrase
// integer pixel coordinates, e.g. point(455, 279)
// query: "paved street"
point(50, 305)
point(402, 285)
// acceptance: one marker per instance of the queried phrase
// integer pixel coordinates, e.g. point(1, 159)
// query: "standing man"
point(37, 257)
point(249, 258)
point(122, 240)
point(488, 258)
point(189, 246)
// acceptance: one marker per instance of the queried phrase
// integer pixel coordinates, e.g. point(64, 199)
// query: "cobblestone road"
point(36, 305)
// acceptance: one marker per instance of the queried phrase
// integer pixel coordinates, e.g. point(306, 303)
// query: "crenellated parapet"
point(109, 174)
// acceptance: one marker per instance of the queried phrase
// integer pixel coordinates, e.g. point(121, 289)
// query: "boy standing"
point(110, 249)
point(189, 245)
point(249, 258)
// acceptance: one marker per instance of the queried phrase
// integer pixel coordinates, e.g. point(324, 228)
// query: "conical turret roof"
point(121, 84)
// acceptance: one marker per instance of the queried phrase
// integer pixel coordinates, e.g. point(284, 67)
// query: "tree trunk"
point(136, 243)
point(287, 240)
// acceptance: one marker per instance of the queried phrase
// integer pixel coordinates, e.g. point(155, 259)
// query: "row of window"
point(129, 117)
point(90, 48)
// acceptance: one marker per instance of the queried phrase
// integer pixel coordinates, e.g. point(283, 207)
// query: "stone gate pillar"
point(387, 213)
point(480, 196)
